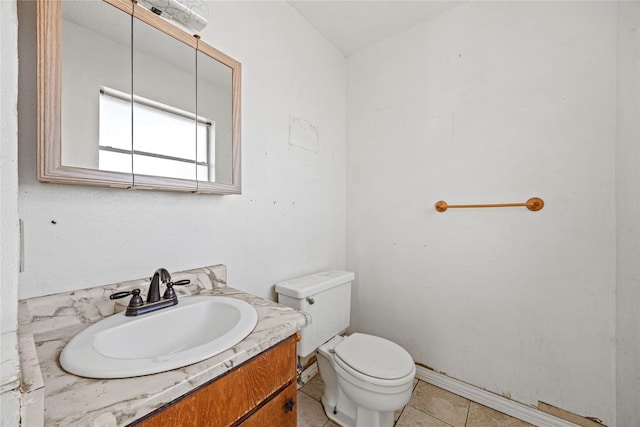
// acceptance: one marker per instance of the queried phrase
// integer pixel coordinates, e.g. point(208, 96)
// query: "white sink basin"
point(197, 328)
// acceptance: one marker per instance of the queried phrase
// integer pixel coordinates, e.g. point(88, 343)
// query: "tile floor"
point(429, 406)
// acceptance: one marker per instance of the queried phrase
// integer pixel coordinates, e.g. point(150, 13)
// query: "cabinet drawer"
point(227, 399)
point(281, 411)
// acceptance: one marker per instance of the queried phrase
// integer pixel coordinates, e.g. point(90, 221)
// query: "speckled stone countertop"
point(52, 397)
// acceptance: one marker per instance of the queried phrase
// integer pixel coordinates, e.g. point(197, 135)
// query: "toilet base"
point(344, 417)
point(353, 416)
point(367, 417)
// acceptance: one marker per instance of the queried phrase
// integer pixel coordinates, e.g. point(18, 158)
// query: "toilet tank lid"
point(312, 284)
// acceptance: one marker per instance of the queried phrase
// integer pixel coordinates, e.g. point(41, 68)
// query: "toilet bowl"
point(367, 378)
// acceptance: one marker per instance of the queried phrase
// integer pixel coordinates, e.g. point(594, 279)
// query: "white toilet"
point(366, 377)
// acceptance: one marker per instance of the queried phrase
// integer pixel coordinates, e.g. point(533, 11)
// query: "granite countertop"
point(53, 397)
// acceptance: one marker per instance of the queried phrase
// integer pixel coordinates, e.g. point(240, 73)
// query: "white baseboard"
point(493, 401)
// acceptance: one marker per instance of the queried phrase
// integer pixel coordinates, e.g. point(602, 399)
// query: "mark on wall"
point(303, 134)
point(440, 129)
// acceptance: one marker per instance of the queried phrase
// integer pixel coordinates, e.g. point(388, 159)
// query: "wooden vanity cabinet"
point(261, 392)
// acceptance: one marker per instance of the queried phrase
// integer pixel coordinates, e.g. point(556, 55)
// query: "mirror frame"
point(49, 107)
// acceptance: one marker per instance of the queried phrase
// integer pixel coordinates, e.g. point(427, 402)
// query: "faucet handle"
point(136, 299)
point(170, 293)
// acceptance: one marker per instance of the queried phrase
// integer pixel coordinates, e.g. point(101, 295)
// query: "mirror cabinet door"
point(218, 102)
point(164, 107)
point(96, 53)
point(82, 46)
point(214, 105)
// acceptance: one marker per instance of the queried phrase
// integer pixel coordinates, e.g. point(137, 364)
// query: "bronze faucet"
point(137, 306)
point(163, 275)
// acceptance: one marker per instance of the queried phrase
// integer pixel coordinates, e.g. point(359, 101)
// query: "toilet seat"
point(374, 359)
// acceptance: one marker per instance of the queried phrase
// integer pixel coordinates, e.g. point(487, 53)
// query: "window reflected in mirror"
point(158, 127)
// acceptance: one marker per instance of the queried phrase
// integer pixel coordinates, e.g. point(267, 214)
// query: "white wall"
point(290, 219)
point(628, 216)
point(492, 102)
point(9, 255)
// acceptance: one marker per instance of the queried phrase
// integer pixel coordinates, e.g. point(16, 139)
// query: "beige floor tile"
point(411, 417)
point(310, 412)
point(314, 388)
point(439, 403)
point(330, 423)
point(481, 416)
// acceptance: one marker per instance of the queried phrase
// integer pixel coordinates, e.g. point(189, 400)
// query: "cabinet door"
point(235, 395)
point(281, 411)
point(164, 106)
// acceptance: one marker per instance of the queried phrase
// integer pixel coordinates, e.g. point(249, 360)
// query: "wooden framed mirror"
point(126, 99)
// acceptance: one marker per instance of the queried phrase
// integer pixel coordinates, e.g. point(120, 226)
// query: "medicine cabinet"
point(127, 99)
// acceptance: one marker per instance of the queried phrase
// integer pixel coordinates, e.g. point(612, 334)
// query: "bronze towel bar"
point(533, 204)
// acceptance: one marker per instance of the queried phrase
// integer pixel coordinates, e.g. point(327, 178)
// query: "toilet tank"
point(326, 296)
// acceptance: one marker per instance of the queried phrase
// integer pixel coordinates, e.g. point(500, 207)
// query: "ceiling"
point(351, 25)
